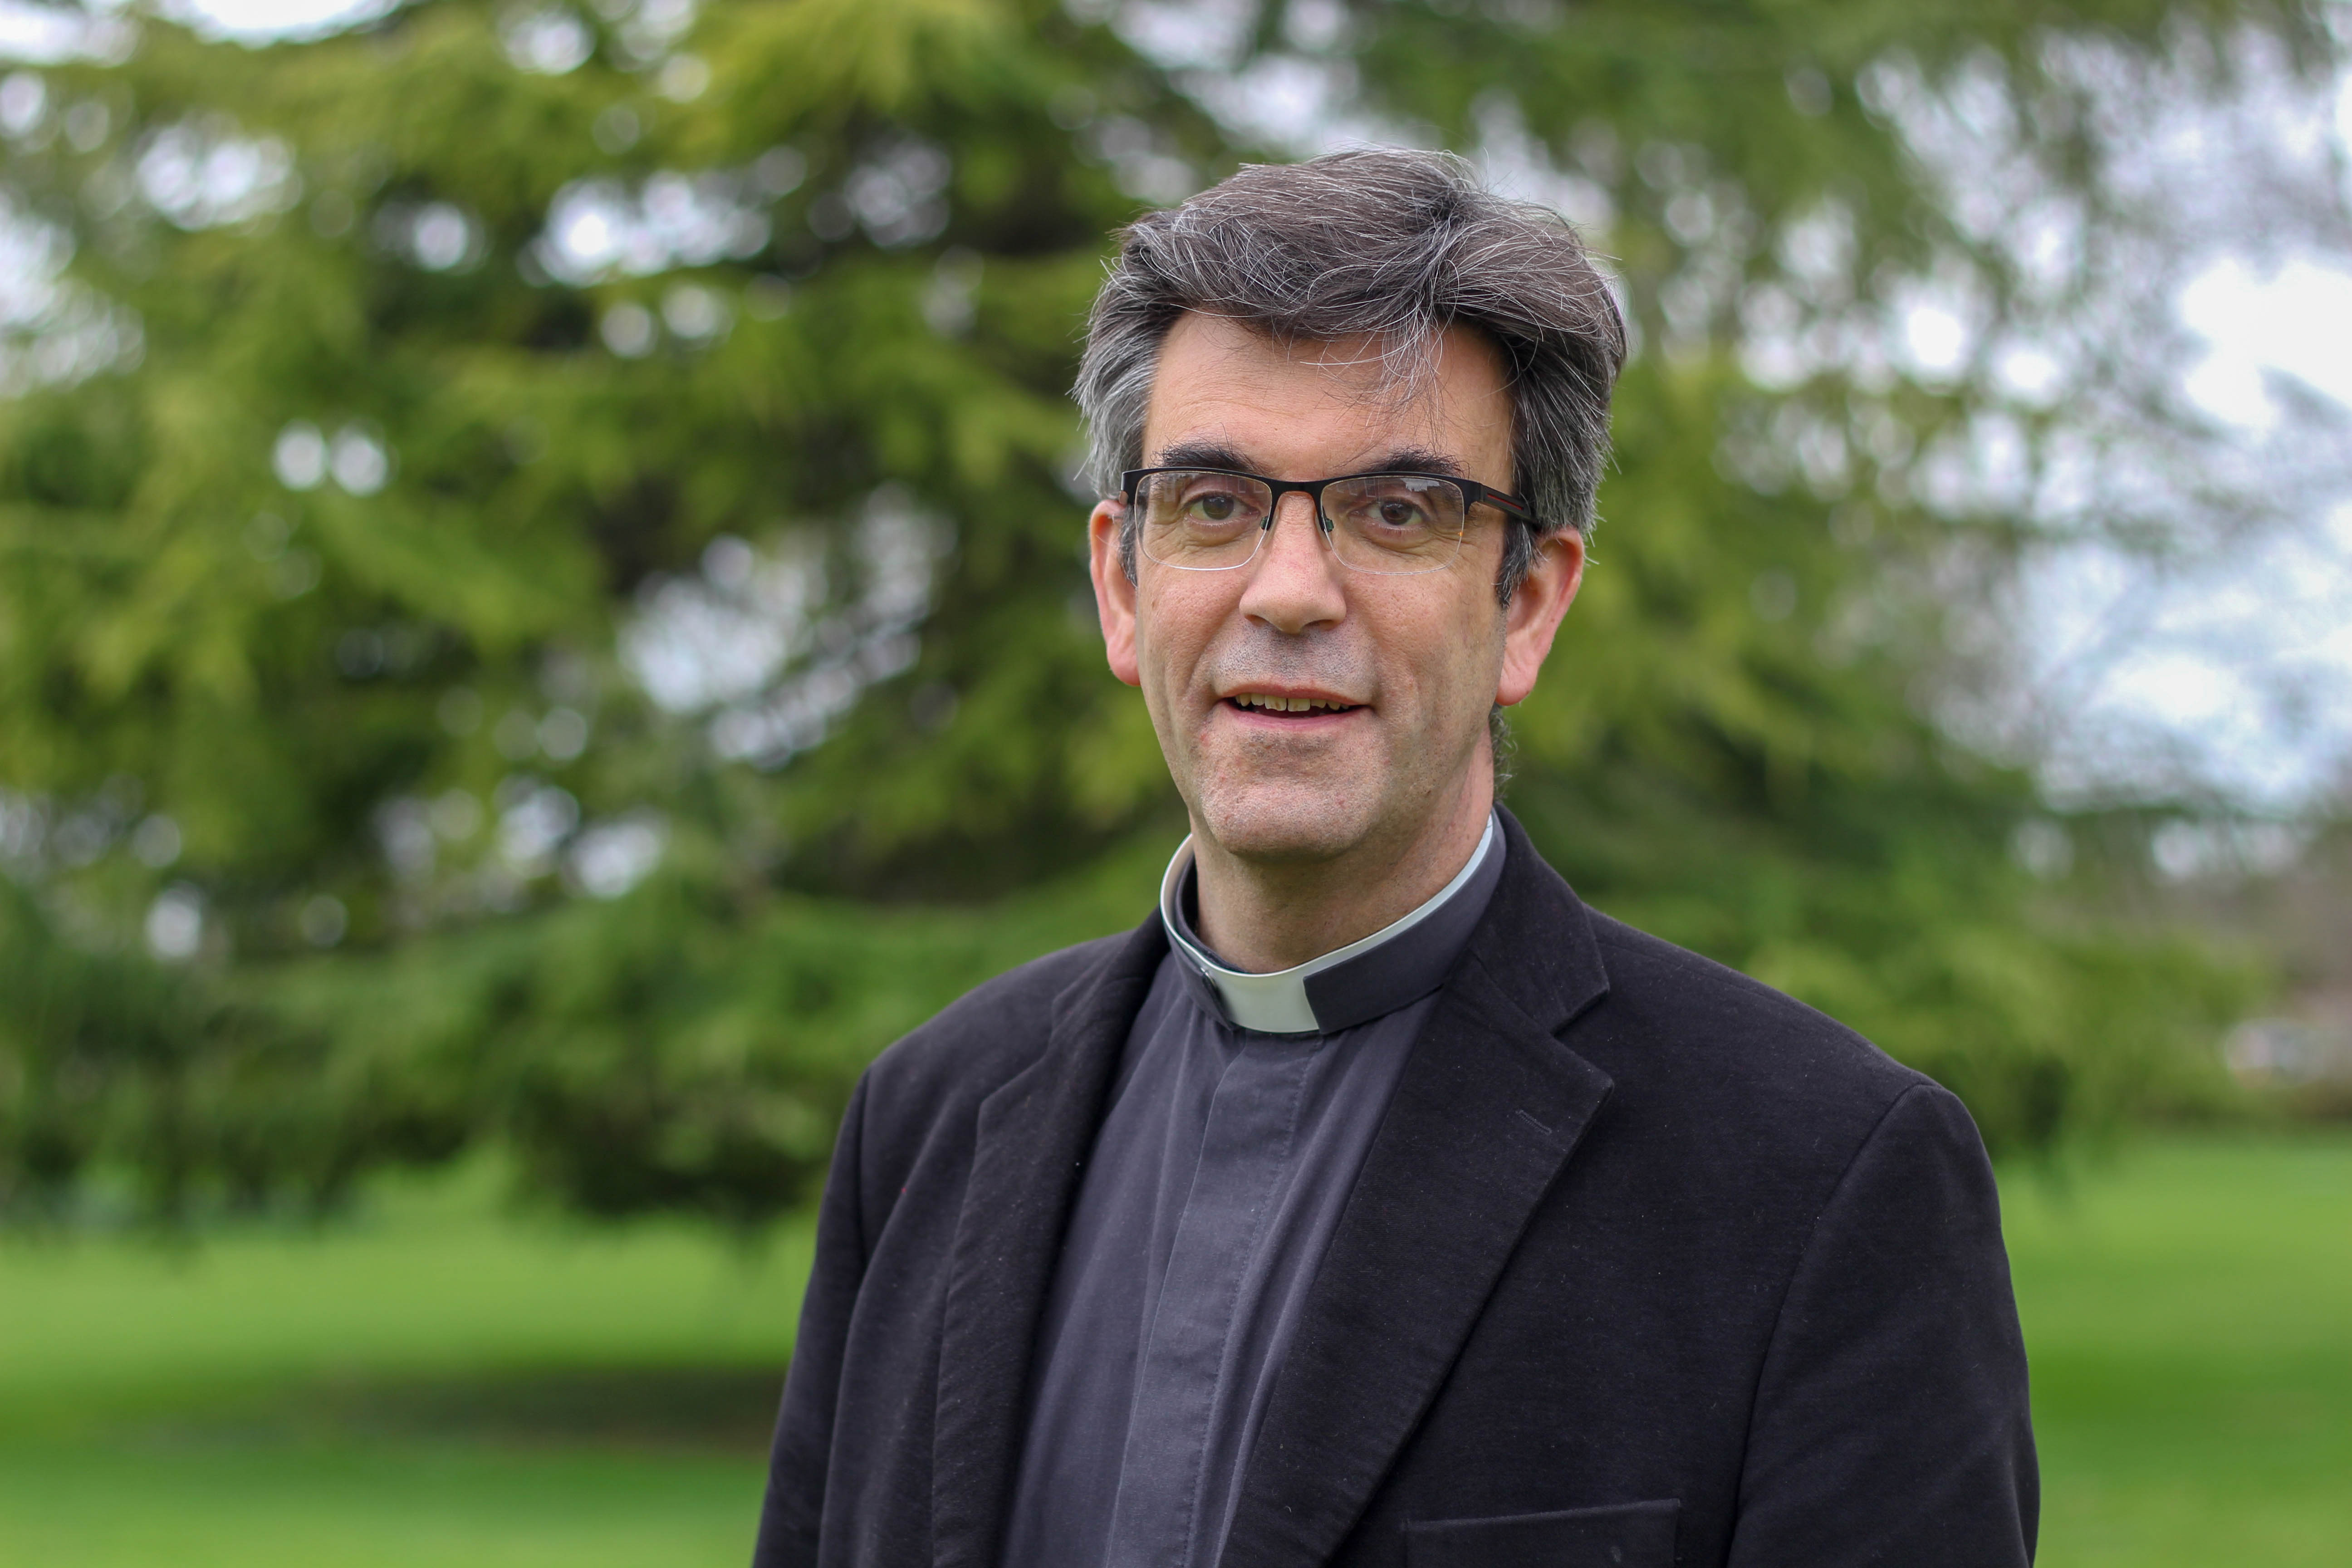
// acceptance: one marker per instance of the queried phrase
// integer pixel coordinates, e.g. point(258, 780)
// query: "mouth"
point(1289, 710)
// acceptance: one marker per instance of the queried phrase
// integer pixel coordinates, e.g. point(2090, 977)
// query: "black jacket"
point(1648, 1264)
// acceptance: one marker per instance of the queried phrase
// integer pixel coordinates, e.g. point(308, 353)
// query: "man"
point(1374, 1202)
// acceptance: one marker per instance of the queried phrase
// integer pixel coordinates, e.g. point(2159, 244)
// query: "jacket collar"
point(1033, 1136)
point(1489, 1108)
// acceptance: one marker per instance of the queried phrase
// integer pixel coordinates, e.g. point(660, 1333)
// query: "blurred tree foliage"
point(540, 603)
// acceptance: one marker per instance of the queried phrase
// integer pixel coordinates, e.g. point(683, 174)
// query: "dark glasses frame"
point(1473, 492)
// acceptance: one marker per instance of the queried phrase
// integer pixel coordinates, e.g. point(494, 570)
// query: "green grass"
point(442, 1384)
point(2189, 1316)
point(439, 1384)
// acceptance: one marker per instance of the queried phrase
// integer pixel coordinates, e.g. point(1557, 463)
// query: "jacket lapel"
point(1035, 1135)
point(1488, 1109)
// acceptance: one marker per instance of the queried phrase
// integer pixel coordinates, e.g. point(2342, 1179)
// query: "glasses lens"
point(1200, 520)
point(1395, 524)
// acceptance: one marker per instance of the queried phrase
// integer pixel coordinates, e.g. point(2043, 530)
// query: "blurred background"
point(542, 621)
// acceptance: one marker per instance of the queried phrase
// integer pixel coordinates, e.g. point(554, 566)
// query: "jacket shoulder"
point(982, 1039)
point(1672, 1013)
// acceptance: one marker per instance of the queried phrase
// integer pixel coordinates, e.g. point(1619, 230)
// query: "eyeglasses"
point(1212, 520)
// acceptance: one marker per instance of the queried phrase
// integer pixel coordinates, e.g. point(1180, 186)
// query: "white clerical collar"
point(1282, 1003)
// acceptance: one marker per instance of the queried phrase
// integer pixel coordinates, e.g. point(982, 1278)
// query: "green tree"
point(539, 601)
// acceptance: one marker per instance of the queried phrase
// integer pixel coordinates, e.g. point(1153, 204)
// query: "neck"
point(1261, 915)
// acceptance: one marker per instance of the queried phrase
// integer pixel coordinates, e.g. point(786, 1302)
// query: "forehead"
point(1305, 410)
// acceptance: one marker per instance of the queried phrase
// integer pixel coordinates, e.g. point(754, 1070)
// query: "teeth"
point(1287, 704)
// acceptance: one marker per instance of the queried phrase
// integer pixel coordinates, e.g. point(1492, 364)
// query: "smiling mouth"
point(1293, 708)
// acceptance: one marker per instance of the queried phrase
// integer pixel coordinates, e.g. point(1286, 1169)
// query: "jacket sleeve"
point(794, 1507)
point(1891, 1423)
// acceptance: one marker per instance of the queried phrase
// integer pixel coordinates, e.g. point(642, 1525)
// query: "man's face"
point(1402, 669)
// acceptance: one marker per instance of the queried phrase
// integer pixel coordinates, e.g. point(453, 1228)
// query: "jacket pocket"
point(1624, 1535)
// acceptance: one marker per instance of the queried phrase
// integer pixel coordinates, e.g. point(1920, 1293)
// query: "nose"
point(1295, 581)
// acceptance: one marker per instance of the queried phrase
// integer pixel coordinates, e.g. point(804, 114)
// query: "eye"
point(1389, 508)
point(1209, 500)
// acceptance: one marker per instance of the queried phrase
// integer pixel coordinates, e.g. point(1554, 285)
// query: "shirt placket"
point(1253, 1123)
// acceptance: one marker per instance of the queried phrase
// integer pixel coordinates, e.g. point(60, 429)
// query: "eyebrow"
point(1396, 459)
point(1201, 454)
point(1416, 460)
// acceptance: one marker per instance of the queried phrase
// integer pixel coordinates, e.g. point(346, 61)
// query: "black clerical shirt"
point(1242, 1112)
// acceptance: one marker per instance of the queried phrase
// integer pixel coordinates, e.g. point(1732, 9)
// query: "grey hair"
point(1392, 245)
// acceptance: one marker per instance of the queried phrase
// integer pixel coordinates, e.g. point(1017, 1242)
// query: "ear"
point(1535, 612)
point(1114, 592)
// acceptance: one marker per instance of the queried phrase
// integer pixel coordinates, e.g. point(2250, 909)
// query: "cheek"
point(1442, 666)
point(1174, 624)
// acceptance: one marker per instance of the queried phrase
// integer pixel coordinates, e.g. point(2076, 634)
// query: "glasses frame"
point(1472, 494)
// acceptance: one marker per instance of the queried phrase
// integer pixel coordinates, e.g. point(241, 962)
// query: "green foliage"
point(663, 1051)
point(373, 487)
point(1709, 761)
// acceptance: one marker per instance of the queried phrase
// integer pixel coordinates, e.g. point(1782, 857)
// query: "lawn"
point(440, 1383)
point(2189, 1315)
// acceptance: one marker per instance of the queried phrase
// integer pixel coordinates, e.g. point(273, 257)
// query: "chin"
point(1290, 821)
